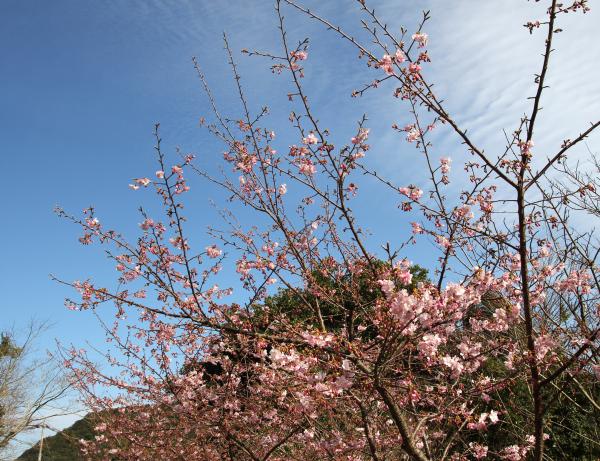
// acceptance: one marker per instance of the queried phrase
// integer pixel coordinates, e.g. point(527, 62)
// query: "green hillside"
point(64, 445)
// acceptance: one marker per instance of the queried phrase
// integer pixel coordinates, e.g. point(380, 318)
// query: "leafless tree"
point(31, 386)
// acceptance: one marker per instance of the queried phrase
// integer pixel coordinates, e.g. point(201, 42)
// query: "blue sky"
point(83, 82)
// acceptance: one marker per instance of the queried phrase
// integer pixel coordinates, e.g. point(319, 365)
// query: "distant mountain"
point(64, 445)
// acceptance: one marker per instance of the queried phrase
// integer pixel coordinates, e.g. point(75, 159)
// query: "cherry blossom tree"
point(352, 359)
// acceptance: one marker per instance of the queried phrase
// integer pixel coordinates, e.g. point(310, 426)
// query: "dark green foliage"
point(344, 301)
point(8, 348)
point(572, 421)
point(575, 423)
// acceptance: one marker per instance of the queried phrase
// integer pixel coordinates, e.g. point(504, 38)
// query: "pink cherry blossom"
point(429, 344)
point(525, 147)
point(310, 139)
point(362, 136)
point(421, 38)
point(299, 55)
point(213, 251)
point(445, 165)
point(412, 192)
point(307, 167)
point(454, 364)
point(147, 224)
point(413, 135)
point(387, 64)
point(479, 451)
point(405, 277)
point(493, 416)
point(399, 56)
point(416, 228)
point(414, 68)
point(143, 181)
point(387, 286)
